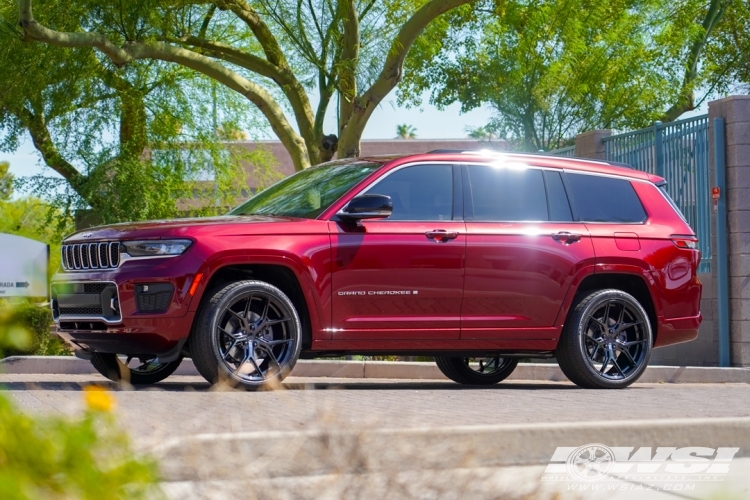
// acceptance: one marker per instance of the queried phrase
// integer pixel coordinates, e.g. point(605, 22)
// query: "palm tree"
point(406, 132)
point(481, 134)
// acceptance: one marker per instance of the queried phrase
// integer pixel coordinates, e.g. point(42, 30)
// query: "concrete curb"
point(68, 365)
point(303, 453)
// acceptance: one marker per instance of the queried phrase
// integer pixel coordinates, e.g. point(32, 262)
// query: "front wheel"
point(476, 371)
point(247, 334)
point(136, 370)
point(606, 342)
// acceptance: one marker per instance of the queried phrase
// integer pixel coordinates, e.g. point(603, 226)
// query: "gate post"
point(658, 152)
point(735, 112)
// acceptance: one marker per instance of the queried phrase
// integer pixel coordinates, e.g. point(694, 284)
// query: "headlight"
point(155, 248)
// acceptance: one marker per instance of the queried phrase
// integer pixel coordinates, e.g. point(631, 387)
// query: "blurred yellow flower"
point(98, 398)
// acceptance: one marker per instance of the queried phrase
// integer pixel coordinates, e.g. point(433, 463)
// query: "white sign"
point(23, 267)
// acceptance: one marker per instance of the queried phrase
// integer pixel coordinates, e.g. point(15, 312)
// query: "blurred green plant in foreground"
point(25, 329)
point(53, 457)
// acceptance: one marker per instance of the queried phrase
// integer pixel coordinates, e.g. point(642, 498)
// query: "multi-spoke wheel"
point(606, 342)
point(136, 370)
point(248, 333)
point(476, 371)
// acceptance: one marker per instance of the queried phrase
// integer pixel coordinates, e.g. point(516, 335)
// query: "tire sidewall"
point(580, 333)
point(216, 312)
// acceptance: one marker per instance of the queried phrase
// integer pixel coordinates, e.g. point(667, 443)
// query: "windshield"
point(308, 193)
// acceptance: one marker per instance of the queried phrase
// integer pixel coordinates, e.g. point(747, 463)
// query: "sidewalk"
point(69, 365)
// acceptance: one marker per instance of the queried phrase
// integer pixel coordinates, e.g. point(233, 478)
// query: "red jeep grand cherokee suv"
point(476, 259)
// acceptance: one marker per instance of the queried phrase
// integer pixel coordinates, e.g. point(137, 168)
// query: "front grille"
point(85, 301)
point(80, 256)
point(94, 287)
point(81, 311)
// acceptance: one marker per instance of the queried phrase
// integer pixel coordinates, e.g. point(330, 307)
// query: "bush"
point(26, 330)
point(58, 457)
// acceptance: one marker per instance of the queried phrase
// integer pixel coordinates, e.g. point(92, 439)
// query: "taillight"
point(688, 242)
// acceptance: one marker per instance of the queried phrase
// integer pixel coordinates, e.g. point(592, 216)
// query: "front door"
point(402, 277)
point(523, 249)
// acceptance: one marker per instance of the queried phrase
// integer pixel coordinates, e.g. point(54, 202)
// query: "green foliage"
point(26, 330)
point(133, 143)
point(549, 70)
point(406, 132)
point(6, 181)
point(37, 220)
point(56, 457)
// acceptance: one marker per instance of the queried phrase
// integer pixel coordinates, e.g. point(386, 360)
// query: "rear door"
point(523, 249)
point(402, 277)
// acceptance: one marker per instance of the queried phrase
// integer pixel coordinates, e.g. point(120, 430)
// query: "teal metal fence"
point(677, 151)
point(568, 152)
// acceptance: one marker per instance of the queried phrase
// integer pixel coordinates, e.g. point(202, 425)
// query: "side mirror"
point(367, 206)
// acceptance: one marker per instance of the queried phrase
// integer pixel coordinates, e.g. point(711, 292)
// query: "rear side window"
point(605, 199)
point(506, 194)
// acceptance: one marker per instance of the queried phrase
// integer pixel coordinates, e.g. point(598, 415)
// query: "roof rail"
point(445, 151)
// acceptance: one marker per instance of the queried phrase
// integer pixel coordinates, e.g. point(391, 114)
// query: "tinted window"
point(559, 207)
point(604, 199)
point(422, 192)
point(308, 193)
point(507, 194)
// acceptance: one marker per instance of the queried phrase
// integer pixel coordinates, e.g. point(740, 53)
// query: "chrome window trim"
point(84, 318)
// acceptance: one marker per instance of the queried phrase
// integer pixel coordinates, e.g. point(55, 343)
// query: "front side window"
point(308, 193)
point(508, 194)
point(419, 193)
point(605, 199)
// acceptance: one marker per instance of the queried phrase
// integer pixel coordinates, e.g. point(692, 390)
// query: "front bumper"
point(119, 326)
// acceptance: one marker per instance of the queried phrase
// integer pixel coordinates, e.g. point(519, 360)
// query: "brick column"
point(736, 113)
point(590, 145)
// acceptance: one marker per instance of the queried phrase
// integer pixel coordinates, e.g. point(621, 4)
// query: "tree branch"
point(184, 57)
point(391, 73)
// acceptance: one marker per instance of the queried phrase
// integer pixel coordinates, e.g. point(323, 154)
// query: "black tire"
point(597, 336)
point(491, 370)
point(149, 372)
point(247, 334)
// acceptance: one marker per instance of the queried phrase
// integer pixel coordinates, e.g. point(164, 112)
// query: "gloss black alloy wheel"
point(247, 334)
point(135, 370)
point(606, 342)
point(476, 371)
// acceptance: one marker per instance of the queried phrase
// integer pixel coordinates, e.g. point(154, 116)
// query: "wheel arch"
point(280, 276)
point(634, 284)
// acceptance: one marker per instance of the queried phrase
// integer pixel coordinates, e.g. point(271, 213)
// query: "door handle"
point(566, 237)
point(441, 235)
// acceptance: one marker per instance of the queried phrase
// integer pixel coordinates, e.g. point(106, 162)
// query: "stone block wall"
point(735, 110)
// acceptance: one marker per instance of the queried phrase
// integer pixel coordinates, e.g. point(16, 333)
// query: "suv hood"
point(156, 229)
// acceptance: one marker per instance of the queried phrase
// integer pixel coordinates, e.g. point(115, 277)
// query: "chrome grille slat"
point(83, 250)
point(93, 256)
point(64, 258)
point(85, 256)
point(103, 255)
point(114, 254)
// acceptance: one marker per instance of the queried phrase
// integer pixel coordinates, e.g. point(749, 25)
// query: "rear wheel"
point(476, 371)
point(606, 342)
point(136, 370)
point(247, 334)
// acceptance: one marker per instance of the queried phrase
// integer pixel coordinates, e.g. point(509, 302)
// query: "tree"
point(549, 70)
point(270, 52)
point(6, 181)
point(128, 143)
point(692, 28)
point(481, 134)
point(406, 132)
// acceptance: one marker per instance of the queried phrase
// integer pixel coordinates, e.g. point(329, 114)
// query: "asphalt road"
point(184, 405)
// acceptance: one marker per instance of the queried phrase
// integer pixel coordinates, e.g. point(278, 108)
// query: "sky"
point(430, 123)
